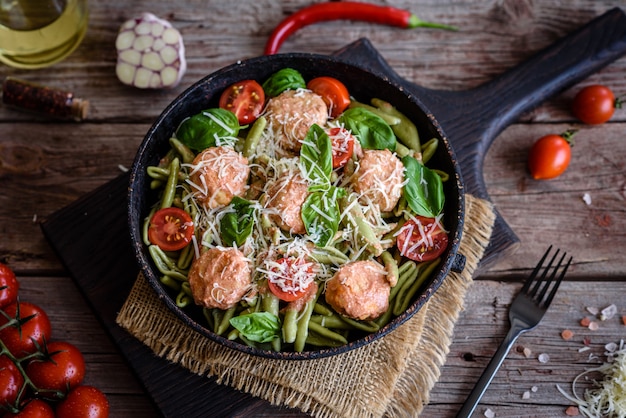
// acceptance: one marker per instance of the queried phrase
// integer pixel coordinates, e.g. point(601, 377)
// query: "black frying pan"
point(466, 123)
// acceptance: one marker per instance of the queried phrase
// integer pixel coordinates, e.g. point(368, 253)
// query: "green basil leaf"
point(316, 157)
point(203, 130)
point(320, 214)
point(260, 327)
point(236, 226)
point(285, 79)
point(424, 189)
point(371, 130)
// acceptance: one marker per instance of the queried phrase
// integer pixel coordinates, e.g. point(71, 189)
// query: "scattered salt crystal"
point(35, 218)
point(543, 358)
point(527, 352)
point(526, 395)
point(122, 168)
point(592, 310)
point(608, 312)
point(534, 389)
point(611, 347)
point(587, 198)
point(593, 325)
point(489, 413)
point(583, 349)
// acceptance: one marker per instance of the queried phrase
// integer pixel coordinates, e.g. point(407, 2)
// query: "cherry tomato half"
point(64, 369)
point(549, 156)
point(34, 408)
point(594, 104)
point(422, 239)
point(245, 99)
point(333, 92)
point(171, 229)
point(11, 381)
point(291, 278)
point(84, 402)
point(343, 146)
point(19, 338)
point(9, 286)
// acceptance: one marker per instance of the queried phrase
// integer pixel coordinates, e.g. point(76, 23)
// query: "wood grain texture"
point(46, 165)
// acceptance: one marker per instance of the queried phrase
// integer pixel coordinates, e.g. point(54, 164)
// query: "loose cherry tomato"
point(333, 92)
point(35, 408)
point(9, 286)
point(549, 156)
point(19, 338)
point(171, 229)
point(84, 402)
point(245, 99)
point(422, 239)
point(65, 369)
point(343, 146)
point(291, 278)
point(11, 381)
point(594, 104)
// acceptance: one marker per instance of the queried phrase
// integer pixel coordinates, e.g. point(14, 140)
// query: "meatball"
point(379, 178)
point(219, 278)
point(359, 290)
point(285, 199)
point(218, 174)
point(291, 114)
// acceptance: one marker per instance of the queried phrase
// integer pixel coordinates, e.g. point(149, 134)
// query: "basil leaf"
point(261, 327)
point(236, 226)
point(373, 132)
point(316, 158)
point(204, 129)
point(424, 189)
point(285, 79)
point(320, 213)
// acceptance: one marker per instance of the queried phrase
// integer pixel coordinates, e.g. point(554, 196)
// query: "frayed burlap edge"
point(390, 377)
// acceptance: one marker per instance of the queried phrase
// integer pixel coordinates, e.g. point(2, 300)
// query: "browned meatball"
point(220, 278)
point(292, 113)
point(218, 174)
point(285, 199)
point(359, 290)
point(379, 178)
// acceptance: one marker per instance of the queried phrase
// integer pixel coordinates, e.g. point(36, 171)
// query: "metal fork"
point(525, 314)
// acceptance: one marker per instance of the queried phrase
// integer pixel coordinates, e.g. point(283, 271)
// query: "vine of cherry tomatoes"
point(550, 155)
point(39, 377)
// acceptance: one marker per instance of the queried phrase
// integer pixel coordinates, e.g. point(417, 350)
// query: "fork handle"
point(485, 379)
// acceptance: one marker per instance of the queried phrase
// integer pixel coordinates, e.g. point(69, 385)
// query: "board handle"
point(472, 119)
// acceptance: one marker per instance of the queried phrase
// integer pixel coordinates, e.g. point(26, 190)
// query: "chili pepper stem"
point(416, 22)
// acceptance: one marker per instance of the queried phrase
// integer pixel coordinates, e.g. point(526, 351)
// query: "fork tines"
point(537, 283)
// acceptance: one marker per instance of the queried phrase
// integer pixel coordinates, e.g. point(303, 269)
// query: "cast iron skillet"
point(469, 120)
point(361, 84)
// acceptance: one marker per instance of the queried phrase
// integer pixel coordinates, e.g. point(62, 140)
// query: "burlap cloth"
point(390, 377)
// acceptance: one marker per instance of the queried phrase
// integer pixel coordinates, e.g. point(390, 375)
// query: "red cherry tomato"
point(9, 286)
point(333, 92)
point(35, 408)
point(19, 338)
point(64, 369)
point(84, 402)
point(291, 278)
point(11, 381)
point(422, 239)
point(549, 156)
point(245, 99)
point(171, 229)
point(343, 146)
point(594, 104)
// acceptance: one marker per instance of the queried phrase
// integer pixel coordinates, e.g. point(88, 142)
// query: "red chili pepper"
point(345, 10)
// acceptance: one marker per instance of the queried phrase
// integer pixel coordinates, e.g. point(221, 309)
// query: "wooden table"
point(46, 165)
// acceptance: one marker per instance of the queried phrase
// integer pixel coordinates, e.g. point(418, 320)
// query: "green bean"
point(169, 282)
point(186, 257)
point(146, 227)
point(325, 332)
point(185, 153)
point(319, 341)
point(303, 326)
point(428, 150)
point(444, 176)
point(208, 317)
point(290, 325)
point(390, 119)
point(270, 303)
point(364, 229)
point(404, 298)
point(170, 187)
point(158, 173)
point(254, 136)
point(217, 315)
point(329, 255)
point(367, 326)
point(402, 150)
point(164, 264)
point(224, 324)
point(186, 287)
point(391, 267)
point(322, 310)
point(406, 131)
point(405, 276)
point(183, 300)
point(156, 184)
point(331, 321)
